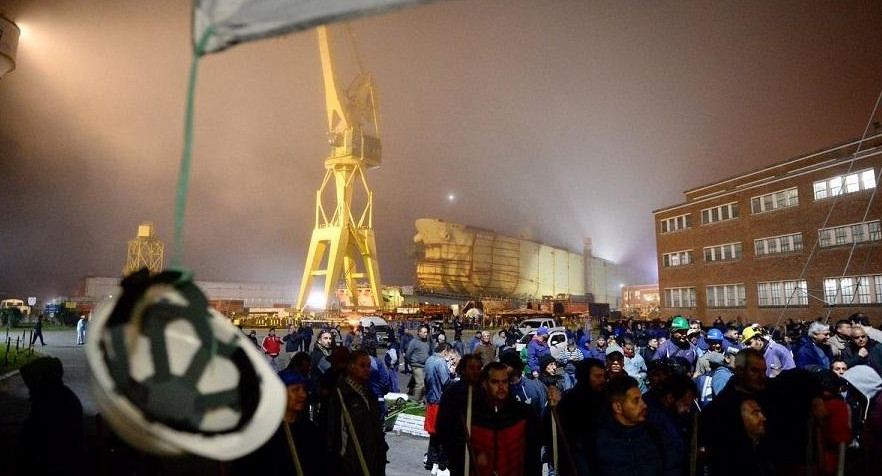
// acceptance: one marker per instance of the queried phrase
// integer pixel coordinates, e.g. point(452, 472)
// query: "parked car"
point(557, 341)
point(530, 325)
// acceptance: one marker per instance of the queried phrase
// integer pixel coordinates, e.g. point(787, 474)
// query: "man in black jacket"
point(625, 442)
point(505, 437)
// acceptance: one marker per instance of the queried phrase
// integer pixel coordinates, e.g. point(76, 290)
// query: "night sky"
point(561, 119)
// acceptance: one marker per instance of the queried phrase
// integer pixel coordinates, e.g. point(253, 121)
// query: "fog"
point(562, 118)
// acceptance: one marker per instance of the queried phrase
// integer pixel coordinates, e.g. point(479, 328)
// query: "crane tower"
point(343, 243)
point(144, 250)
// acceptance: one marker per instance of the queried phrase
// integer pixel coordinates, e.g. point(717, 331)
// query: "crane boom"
point(353, 120)
point(344, 238)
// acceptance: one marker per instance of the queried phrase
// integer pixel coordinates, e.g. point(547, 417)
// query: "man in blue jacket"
point(537, 348)
point(814, 350)
point(437, 379)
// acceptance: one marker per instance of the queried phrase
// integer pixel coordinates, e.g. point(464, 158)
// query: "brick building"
point(773, 243)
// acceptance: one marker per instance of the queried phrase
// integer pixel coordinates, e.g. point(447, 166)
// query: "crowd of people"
point(635, 398)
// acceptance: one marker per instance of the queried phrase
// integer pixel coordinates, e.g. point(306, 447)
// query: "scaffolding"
point(145, 250)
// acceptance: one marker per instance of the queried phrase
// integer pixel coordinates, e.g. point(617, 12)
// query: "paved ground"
point(405, 453)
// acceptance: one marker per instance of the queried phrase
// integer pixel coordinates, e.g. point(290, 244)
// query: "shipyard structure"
point(797, 239)
point(465, 260)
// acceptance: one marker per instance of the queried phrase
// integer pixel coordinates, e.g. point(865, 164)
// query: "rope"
point(351, 427)
point(833, 206)
point(187, 154)
point(292, 448)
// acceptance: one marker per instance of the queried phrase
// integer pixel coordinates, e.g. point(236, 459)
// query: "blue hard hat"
point(714, 334)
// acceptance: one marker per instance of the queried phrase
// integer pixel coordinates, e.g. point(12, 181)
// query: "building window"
point(852, 290)
point(678, 258)
point(725, 295)
point(777, 244)
point(848, 234)
point(728, 211)
point(842, 184)
point(676, 223)
point(680, 297)
point(782, 293)
point(727, 252)
point(774, 201)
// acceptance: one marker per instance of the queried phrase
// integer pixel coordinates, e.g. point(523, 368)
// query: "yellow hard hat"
point(749, 333)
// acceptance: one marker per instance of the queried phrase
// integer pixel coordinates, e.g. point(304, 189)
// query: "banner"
point(237, 21)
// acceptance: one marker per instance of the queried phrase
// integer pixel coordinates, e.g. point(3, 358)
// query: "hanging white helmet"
point(172, 376)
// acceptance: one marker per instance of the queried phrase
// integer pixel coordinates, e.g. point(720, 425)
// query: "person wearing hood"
point(869, 384)
point(537, 348)
point(579, 411)
point(281, 455)
point(814, 349)
point(522, 389)
point(585, 349)
point(54, 423)
point(548, 373)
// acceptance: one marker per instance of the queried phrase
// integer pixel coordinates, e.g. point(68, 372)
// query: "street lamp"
point(9, 34)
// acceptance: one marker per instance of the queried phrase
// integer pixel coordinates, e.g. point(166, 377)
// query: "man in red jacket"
point(272, 345)
point(505, 436)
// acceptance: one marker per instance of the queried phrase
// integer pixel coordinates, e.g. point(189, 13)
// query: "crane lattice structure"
point(145, 250)
point(343, 237)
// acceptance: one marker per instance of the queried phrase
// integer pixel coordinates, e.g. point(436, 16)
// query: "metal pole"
point(693, 445)
point(352, 433)
point(553, 443)
point(840, 460)
point(809, 455)
point(468, 428)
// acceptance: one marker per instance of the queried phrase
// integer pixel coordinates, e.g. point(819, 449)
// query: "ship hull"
point(467, 260)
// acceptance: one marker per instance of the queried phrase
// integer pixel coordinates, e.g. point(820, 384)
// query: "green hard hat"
point(679, 322)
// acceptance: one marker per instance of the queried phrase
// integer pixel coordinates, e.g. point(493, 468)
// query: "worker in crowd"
point(678, 347)
point(778, 358)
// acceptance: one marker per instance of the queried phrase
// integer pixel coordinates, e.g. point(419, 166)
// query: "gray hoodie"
point(865, 380)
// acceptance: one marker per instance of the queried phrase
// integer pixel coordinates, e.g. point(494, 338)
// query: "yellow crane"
point(344, 238)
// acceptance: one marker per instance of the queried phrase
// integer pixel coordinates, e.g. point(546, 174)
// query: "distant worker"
point(485, 349)
point(272, 345)
point(38, 331)
point(537, 347)
point(417, 353)
point(81, 330)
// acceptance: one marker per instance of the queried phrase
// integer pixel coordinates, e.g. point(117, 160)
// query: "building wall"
point(814, 263)
point(607, 280)
point(252, 294)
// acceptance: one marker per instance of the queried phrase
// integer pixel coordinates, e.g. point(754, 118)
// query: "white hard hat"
point(172, 376)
